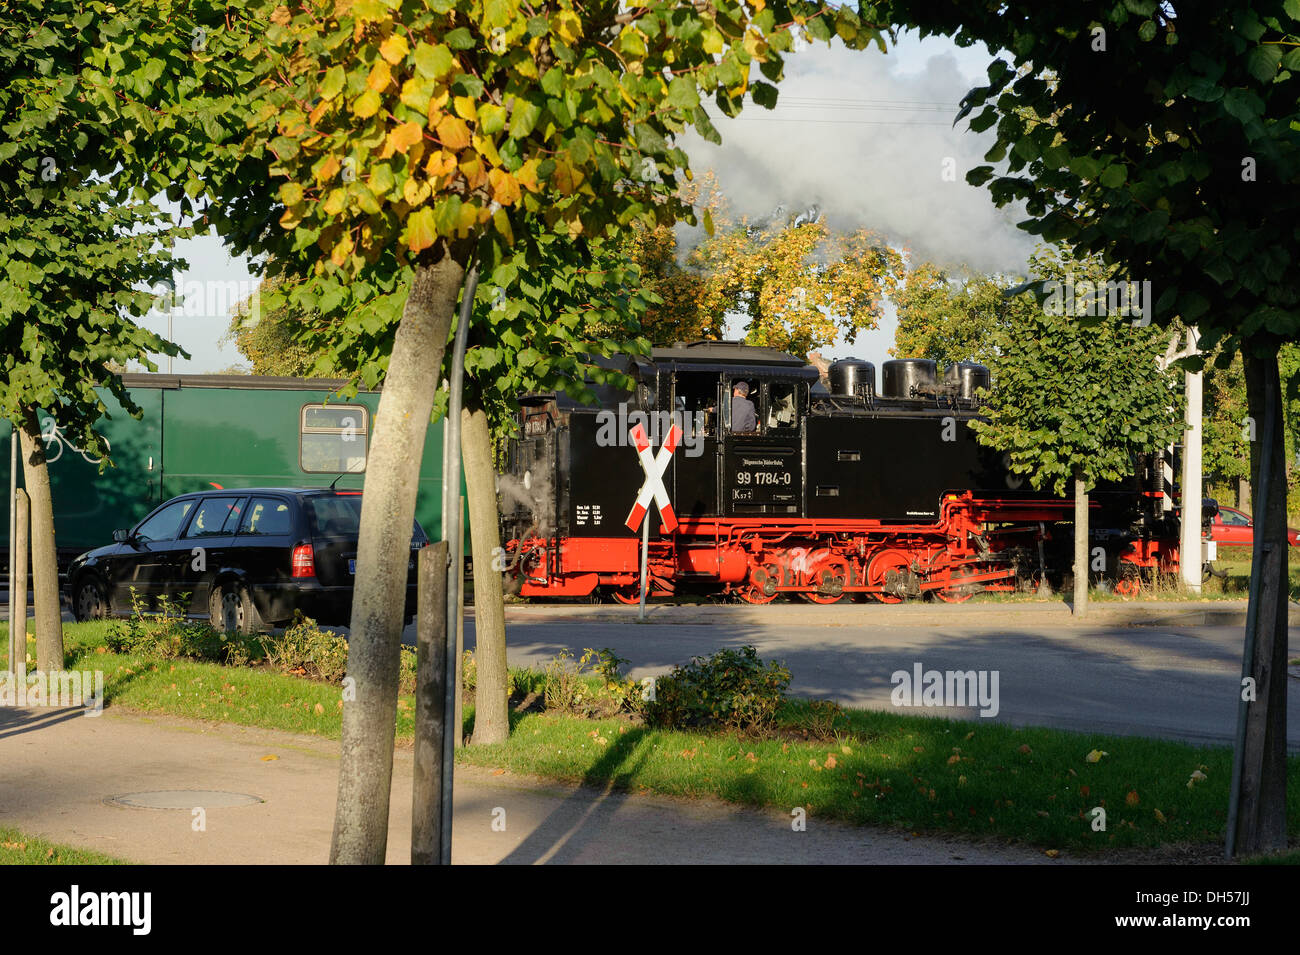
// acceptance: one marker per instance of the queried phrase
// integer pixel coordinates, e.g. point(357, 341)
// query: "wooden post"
point(430, 707)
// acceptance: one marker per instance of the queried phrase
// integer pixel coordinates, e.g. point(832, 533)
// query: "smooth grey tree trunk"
point(45, 560)
point(1261, 809)
point(491, 698)
point(387, 513)
point(1080, 547)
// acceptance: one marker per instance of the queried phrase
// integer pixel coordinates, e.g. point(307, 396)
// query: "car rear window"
point(267, 517)
point(339, 515)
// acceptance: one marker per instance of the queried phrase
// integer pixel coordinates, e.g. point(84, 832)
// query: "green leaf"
point(433, 62)
point(332, 85)
point(460, 39)
point(1263, 61)
point(1113, 176)
point(523, 117)
point(683, 94)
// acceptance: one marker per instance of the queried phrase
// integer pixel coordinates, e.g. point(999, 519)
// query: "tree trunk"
point(1243, 494)
point(491, 698)
point(383, 555)
point(1261, 808)
point(45, 560)
point(1080, 546)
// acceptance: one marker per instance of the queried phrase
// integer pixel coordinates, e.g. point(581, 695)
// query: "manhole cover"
point(184, 799)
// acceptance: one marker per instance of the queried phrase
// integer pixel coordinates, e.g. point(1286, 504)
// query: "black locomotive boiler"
point(880, 492)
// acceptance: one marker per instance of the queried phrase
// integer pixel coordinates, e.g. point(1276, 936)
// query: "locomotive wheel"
point(630, 595)
point(755, 590)
point(879, 568)
point(956, 592)
point(1128, 586)
point(835, 572)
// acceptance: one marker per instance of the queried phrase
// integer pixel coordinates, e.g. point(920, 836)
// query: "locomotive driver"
point(743, 416)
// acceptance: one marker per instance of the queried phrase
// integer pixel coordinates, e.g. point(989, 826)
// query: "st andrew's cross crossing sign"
point(654, 467)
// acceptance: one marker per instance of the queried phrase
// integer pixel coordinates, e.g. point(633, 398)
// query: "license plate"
point(352, 565)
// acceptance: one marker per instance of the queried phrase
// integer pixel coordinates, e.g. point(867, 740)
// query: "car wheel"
point(231, 610)
point(89, 599)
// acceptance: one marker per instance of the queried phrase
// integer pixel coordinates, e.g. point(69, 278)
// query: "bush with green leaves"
point(731, 688)
point(591, 685)
point(168, 633)
point(304, 649)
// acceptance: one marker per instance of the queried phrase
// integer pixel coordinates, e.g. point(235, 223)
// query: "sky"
point(864, 136)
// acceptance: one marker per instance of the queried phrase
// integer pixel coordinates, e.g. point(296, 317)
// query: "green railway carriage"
point(229, 431)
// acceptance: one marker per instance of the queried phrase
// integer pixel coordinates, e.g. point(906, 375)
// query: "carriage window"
point(333, 438)
point(697, 401)
point(782, 409)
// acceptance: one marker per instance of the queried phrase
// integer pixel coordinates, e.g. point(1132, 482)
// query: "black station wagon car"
point(247, 558)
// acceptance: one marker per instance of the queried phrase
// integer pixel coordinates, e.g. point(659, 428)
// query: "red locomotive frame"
point(978, 544)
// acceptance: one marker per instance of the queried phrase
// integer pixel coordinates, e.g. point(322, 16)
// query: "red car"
point(1233, 528)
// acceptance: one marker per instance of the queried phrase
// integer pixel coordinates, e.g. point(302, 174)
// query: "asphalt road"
point(1169, 679)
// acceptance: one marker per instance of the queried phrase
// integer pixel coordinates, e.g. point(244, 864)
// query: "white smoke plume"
point(859, 136)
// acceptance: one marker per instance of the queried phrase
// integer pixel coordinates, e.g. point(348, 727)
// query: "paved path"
point(1168, 670)
point(58, 768)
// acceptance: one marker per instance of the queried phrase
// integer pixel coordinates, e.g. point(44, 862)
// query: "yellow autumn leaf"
point(335, 202)
point(339, 254)
point(484, 146)
point(421, 231)
point(380, 76)
point(501, 220)
point(267, 759)
point(289, 220)
point(505, 190)
point(416, 191)
point(1096, 755)
point(404, 137)
point(526, 175)
point(1160, 817)
point(453, 133)
point(465, 107)
point(394, 49)
point(366, 105)
point(567, 26)
point(469, 213)
point(474, 173)
point(328, 169)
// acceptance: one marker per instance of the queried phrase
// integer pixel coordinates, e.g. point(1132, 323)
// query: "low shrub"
point(168, 634)
point(731, 688)
point(592, 685)
point(304, 649)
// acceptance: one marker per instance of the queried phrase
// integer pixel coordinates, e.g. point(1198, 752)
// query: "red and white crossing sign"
point(654, 467)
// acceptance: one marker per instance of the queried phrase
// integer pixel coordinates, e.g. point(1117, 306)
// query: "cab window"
point(696, 401)
point(781, 406)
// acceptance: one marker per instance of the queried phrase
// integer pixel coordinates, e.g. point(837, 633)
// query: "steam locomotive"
point(852, 490)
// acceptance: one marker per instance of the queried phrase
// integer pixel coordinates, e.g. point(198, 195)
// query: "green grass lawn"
point(249, 696)
point(914, 773)
point(19, 849)
point(1033, 785)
